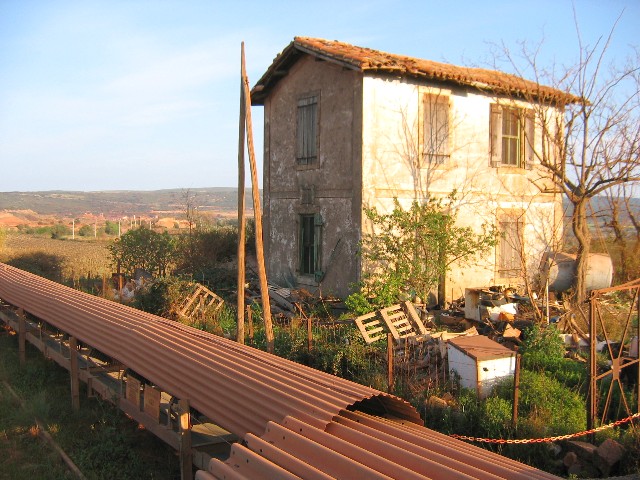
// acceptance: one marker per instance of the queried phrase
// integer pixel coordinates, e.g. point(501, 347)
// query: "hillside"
point(122, 203)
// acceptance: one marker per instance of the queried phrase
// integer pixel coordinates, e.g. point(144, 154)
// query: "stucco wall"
point(390, 149)
point(332, 186)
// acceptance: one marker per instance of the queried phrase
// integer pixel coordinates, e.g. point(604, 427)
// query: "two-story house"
point(347, 127)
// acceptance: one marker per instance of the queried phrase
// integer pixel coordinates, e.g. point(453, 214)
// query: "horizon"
point(144, 96)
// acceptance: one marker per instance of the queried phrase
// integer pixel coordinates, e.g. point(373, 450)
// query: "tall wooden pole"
point(516, 392)
point(257, 212)
point(241, 229)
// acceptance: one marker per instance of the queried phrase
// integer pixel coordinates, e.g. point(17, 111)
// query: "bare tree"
point(594, 145)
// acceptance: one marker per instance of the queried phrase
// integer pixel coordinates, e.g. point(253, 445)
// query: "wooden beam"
point(22, 336)
point(257, 212)
point(241, 224)
point(73, 370)
point(186, 455)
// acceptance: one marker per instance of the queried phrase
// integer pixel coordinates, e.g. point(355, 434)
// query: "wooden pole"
point(250, 320)
point(309, 334)
point(257, 212)
point(22, 337)
point(389, 362)
point(75, 382)
point(592, 397)
point(241, 229)
point(186, 455)
point(516, 391)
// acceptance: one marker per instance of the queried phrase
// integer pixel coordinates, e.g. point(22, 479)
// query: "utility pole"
point(257, 213)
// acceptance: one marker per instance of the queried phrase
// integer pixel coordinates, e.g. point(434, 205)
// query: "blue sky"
point(143, 95)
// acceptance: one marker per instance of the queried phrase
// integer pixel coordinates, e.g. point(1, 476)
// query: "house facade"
point(347, 127)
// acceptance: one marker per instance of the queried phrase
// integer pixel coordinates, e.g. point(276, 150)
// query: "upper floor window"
point(307, 131)
point(512, 131)
point(435, 129)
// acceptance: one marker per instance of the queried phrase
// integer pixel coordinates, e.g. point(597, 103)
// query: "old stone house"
point(347, 127)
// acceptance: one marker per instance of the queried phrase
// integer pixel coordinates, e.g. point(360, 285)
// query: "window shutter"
point(317, 247)
point(529, 139)
point(495, 134)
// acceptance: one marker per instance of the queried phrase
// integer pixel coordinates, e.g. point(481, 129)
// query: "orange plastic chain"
point(548, 439)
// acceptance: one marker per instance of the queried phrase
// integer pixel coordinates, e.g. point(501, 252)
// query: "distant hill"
point(124, 202)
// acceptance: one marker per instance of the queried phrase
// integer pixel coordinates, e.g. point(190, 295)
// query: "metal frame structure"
point(619, 361)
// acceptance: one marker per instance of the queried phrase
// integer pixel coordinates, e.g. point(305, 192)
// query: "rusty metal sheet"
point(212, 372)
point(296, 422)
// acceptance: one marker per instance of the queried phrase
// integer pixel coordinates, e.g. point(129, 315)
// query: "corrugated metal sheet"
point(296, 422)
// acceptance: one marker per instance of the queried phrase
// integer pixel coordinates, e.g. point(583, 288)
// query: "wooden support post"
point(516, 392)
point(250, 320)
point(389, 362)
point(75, 380)
point(593, 368)
point(257, 212)
point(241, 224)
point(22, 337)
point(309, 335)
point(186, 456)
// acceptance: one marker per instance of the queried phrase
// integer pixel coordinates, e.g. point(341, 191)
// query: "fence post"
point(389, 362)
point(250, 322)
point(516, 391)
point(75, 382)
point(22, 336)
point(186, 456)
point(309, 335)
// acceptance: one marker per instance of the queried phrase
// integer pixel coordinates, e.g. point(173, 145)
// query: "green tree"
point(143, 248)
point(86, 231)
point(411, 250)
point(111, 228)
point(60, 230)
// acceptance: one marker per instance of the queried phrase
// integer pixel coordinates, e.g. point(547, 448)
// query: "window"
point(307, 131)
point(310, 238)
point(512, 131)
point(510, 247)
point(435, 130)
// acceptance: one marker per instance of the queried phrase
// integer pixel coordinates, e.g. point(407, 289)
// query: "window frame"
point(307, 136)
point(310, 245)
point(435, 151)
point(524, 137)
point(509, 256)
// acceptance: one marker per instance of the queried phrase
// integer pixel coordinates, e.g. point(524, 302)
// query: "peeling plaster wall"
point(391, 115)
point(368, 147)
point(331, 188)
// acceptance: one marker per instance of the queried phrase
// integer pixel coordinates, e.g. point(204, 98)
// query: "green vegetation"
point(145, 249)
point(103, 443)
point(411, 250)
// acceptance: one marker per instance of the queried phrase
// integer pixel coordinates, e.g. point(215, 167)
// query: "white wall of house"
point(391, 117)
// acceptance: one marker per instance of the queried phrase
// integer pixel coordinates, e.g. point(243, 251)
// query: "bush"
point(59, 230)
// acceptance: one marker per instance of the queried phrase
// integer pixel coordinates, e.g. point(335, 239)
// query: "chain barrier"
point(548, 439)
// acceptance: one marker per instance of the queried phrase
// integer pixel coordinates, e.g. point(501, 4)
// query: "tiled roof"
point(368, 60)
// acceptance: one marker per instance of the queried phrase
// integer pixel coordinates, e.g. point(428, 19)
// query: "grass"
point(73, 258)
point(101, 441)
